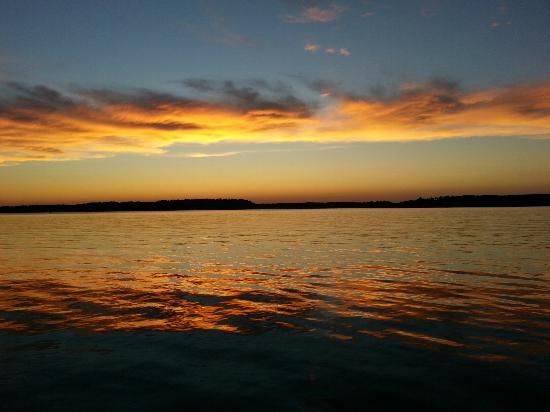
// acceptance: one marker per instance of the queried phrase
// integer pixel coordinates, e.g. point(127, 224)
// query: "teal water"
point(372, 309)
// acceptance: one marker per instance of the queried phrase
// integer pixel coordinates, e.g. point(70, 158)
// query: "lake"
point(339, 309)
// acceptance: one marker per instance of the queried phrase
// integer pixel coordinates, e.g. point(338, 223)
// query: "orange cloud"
point(311, 47)
point(437, 110)
point(38, 123)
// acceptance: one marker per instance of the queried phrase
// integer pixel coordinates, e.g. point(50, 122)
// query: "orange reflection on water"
point(251, 273)
point(225, 298)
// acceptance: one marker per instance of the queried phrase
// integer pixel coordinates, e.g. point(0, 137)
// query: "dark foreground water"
point(443, 309)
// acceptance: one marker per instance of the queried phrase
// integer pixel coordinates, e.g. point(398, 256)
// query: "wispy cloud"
point(495, 24)
point(316, 15)
point(314, 48)
point(342, 51)
point(246, 148)
point(501, 18)
point(38, 123)
point(203, 155)
point(440, 109)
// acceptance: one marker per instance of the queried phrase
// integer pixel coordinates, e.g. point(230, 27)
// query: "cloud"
point(203, 155)
point(314, 48)
point(251, 95)
point(440, 109)
point(316, 15)
point(501, 20)
point(39, 123)
point(495, 24)
point(344, 52)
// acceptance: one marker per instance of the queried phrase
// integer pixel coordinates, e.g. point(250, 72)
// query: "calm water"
point(281, 310)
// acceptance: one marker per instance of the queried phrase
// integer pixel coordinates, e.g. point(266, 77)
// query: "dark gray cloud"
point(141, 98)
point(443, 91)
point(250, 95)
point(33, 97)
point(23, 103)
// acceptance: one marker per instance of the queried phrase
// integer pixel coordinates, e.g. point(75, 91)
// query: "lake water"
point(343, 309)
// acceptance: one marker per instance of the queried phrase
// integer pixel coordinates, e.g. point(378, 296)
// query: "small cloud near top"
point(496, 24)
point(316, 15)
point(501, 20)
point(314, 48)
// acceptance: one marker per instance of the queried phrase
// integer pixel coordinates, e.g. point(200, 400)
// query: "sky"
point(283, 100)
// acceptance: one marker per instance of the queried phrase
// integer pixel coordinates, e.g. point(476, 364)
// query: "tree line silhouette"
point(243, 204)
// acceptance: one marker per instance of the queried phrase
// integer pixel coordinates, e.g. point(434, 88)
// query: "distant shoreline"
point(243, 204)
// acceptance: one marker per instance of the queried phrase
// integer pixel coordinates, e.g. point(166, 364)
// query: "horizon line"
point(465, 200)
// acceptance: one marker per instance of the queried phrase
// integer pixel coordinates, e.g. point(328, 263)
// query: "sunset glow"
point(277, 114)
point(287, 205)
point(39, 123)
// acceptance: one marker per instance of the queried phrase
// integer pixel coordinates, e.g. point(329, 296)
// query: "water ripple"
point(472, 284)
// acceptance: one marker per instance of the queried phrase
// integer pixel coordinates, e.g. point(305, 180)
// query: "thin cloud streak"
point(314, 48)
point(204, 155)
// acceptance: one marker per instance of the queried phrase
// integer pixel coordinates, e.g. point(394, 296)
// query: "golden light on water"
point(270, 275)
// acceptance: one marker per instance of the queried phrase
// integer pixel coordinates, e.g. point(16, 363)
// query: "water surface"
point(278, 309)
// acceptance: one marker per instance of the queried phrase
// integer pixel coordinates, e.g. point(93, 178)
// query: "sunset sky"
point(282, 100)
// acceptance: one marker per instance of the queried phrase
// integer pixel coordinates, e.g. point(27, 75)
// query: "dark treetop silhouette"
point(239, 204)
